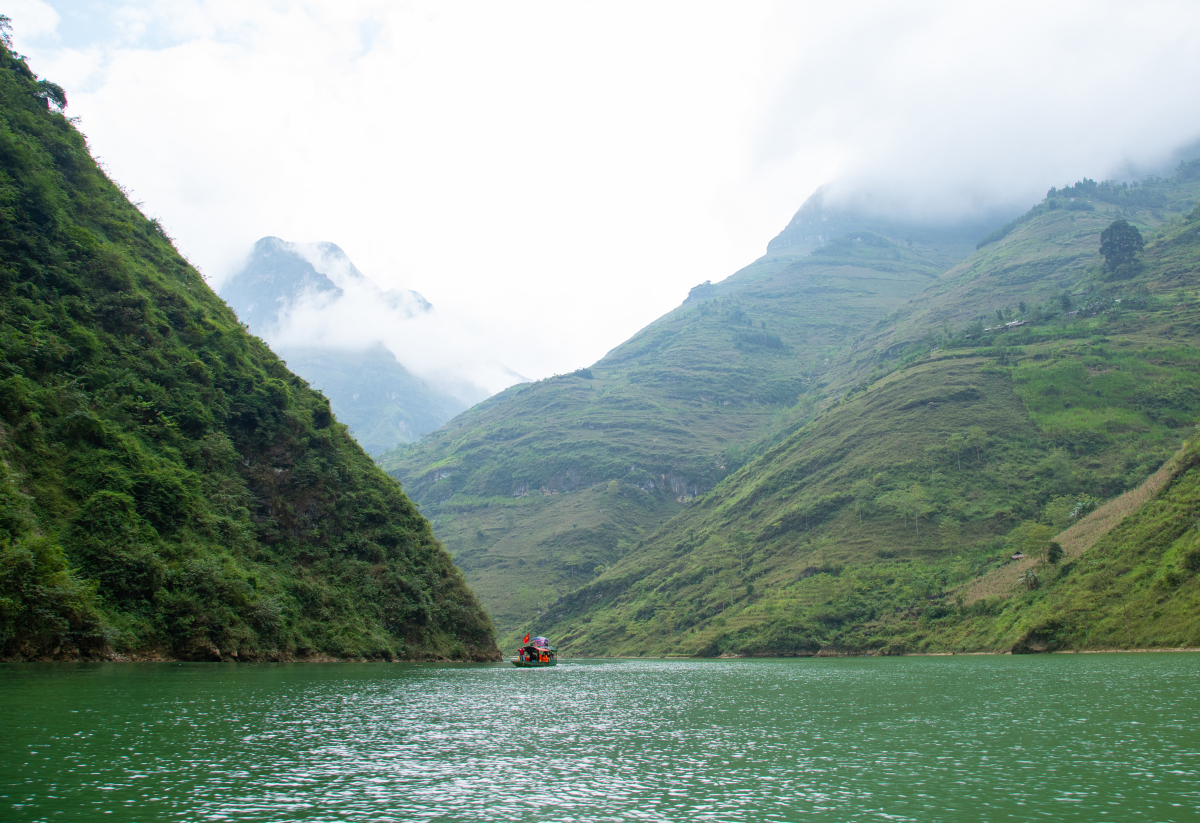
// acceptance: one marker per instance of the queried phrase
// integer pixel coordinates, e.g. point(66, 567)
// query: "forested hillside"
point(543, 487)
point(167, 487)
point(1026, 385)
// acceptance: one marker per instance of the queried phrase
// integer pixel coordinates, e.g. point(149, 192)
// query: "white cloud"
point(34, 18)
point(946, 108)
point(531, 168)
point(433, 344)
point(557, 175)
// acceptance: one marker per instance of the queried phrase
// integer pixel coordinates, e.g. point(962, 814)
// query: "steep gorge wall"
point(167, 487)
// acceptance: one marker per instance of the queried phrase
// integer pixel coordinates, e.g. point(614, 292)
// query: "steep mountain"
point(278, 274)
point(975, 422)
point(824, 218)
point(1057, 249)
point(382, 402)
point(544, 486)
point(167, 487)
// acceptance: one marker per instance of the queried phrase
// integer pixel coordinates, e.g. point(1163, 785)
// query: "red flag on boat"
point(526, 640)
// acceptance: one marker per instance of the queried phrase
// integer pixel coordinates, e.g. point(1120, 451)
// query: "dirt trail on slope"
point(1005, 582)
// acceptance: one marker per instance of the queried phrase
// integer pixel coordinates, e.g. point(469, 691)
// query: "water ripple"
point(1083, 737)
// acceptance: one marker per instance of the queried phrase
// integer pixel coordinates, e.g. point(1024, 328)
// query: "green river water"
point(1097, 737)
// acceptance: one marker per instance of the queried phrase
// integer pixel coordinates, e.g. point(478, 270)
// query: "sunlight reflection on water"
point(1081, 737)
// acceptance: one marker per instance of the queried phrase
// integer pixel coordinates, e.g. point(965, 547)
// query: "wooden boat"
point(536, 654)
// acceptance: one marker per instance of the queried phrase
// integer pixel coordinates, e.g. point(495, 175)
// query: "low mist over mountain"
point(840, 446)
point(832, 213)
point(568, 474)
point(341, 332)
point(280, 276)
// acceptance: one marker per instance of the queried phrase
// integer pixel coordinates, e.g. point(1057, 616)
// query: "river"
point(1057, 737)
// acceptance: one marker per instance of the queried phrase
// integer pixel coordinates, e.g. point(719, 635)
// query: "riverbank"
point(212, 656)
point(834, 654)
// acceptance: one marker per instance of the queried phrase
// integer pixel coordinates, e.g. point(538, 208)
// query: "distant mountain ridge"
point(277, 274)
point(569, 474)
point(819, 221)
point(384, 404)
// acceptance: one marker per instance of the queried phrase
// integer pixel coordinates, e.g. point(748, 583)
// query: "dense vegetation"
point(167, 487)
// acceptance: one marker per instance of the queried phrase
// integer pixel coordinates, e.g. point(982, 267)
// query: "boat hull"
point(532, 664)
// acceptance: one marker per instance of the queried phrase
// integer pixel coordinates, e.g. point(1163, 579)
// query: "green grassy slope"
point(932, 462)
point(1137, 587)
point(1033, 260)
point(522, 480)
point(167, 486)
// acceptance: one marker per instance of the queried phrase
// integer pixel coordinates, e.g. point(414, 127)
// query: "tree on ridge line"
point(1119, 243)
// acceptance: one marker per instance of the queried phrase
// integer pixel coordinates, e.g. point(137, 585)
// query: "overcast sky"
point(552, 176)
